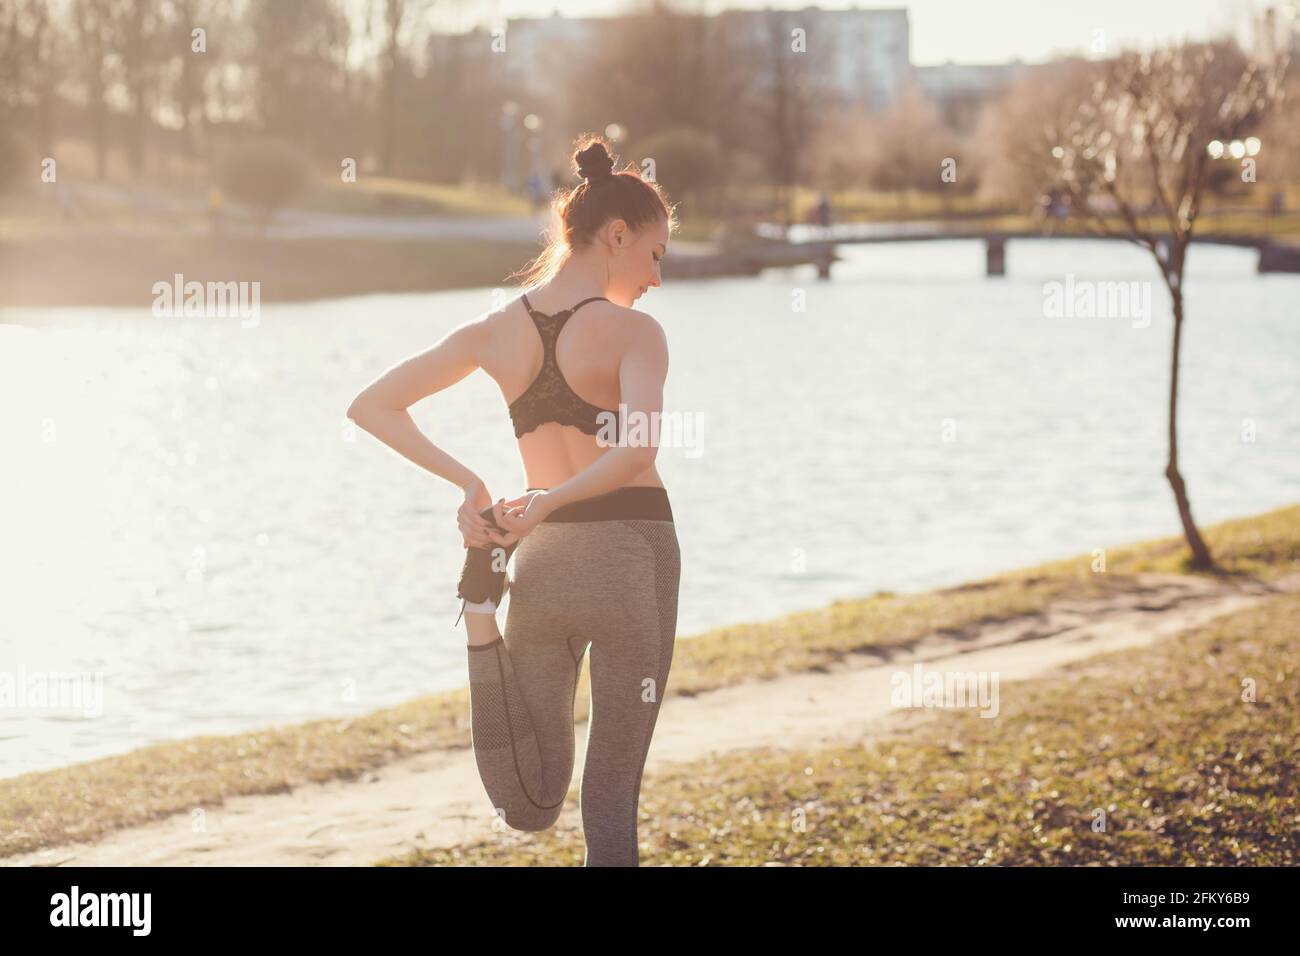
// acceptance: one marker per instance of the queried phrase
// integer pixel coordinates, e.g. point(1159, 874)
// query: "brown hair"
point(579, 212)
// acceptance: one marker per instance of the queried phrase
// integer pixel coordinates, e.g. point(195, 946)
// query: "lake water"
point(188, 514)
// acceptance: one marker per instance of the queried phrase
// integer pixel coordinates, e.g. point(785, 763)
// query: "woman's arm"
point(641, 376)
point(381, 407)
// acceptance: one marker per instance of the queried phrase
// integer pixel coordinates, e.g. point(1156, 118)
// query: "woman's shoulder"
point(645, 336)
point(640, 323)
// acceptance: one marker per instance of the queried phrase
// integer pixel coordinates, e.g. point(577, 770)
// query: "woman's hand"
point(523, 514)
point(475, 530)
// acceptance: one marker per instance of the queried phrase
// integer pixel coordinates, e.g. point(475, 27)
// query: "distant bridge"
point(772, 245)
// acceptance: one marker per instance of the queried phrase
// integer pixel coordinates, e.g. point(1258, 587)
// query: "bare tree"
point(398, 17)
point(95, 37)
point(139, 22)
point(1141, 141)
point(1016, 130)
point(192, 67)
point(795, 86)
point(678, 81)
point(649, 71)
point(1281, 135)
point(28, 71)
point(300, 63)
point(908, 144)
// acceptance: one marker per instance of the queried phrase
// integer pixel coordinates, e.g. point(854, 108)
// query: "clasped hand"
point(518, 516)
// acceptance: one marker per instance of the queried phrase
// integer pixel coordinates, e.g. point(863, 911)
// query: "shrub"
point(265, 175)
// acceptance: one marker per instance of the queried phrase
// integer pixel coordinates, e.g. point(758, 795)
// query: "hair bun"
point(595, 163)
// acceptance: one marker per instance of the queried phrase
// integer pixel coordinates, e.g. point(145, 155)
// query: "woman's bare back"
point(588, 352)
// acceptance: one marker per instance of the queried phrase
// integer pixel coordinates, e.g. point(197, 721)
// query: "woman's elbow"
point(360, 408)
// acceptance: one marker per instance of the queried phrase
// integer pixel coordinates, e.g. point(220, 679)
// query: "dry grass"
point(1145, 757)
point(87, 800)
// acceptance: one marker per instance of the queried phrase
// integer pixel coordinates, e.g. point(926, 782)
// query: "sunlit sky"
point(964, 31)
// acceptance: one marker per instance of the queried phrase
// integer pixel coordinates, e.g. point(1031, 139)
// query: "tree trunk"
point(392, 59)
point(99, 133)
point(387, 120)
point(1201, 559)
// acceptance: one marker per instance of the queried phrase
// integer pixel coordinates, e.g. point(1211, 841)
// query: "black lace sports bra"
point(549, 398)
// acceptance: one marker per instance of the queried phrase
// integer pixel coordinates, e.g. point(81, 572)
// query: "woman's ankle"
point(481, 628)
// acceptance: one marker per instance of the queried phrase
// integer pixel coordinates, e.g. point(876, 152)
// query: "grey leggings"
point(582, 578)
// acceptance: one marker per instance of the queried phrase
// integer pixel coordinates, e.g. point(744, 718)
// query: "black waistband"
point(633, 502)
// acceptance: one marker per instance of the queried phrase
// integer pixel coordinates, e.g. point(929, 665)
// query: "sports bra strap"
point(594, 298)
point(550, 333)
point(531, 311)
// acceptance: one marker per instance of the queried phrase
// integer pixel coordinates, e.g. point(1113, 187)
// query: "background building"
point(863, 55)
point(960, 89)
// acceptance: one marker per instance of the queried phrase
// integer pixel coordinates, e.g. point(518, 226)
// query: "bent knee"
point(533, 819)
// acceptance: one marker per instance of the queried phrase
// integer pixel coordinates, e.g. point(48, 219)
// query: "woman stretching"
point(596, 555)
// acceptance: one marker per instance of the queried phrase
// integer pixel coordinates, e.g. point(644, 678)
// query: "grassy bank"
point(1139, 758)
point(121, 270)
point(386, 196)
point(87, 800)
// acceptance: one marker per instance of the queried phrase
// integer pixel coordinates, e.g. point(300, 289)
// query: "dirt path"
point(436, 799)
